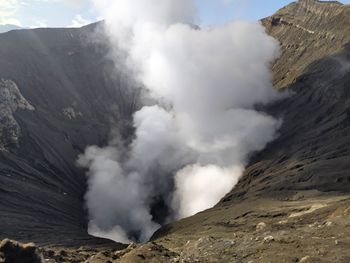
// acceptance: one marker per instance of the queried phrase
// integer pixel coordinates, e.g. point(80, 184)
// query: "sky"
point(76, 13)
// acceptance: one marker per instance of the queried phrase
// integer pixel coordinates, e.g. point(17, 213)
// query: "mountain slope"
point(308, 30)
point(311, 151)
point(58, 96)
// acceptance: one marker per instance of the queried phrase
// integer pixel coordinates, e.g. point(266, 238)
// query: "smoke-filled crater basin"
point(197, 122)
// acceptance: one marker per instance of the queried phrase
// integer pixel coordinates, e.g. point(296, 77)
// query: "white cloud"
point(79, 21)
point(8, 10)
point(73, 3)
point(10, 21)
point(39, 23)
point(69, 3)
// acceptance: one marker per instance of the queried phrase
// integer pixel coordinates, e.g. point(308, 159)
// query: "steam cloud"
point(191, 147)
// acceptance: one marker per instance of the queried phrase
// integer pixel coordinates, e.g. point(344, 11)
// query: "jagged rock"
point(15, 252)
point(304, 259)
point(329, 223)
point(283, 222)
point(11, 100)
point(268, 239)
point(261, 226)
point(70, 113)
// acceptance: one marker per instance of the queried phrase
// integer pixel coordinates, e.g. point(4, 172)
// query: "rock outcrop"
point(15, 252)
point(11, 100)
point(309, 30)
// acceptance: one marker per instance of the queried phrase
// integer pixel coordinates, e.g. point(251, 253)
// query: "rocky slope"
point(291, 205)
point(308, 30)
point(311, 152)
point(57, 95)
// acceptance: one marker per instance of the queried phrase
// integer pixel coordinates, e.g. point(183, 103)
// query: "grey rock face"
point(312, 150)
point(11, 100)
point(15, 252)
point(59, 93)
point(70, 113)
point(309, 30)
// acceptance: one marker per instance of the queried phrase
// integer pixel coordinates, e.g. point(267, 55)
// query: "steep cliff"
point(311, 151)
point(308, 30)
point(58, 95)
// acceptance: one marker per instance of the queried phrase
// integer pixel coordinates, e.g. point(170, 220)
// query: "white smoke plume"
point(200, 187)
point(190, 149)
